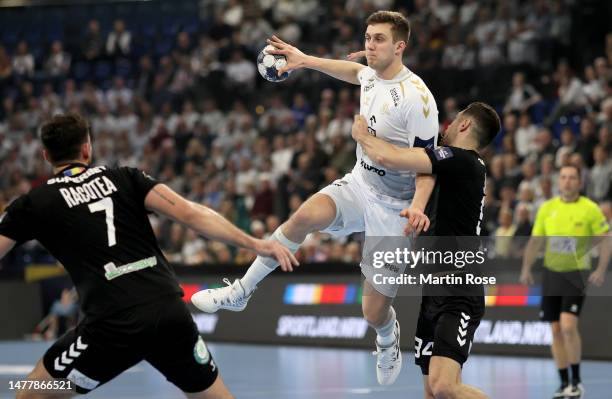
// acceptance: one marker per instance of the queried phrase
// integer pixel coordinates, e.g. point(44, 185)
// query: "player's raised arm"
point(161, 199)
point(388, 155)
point(339, 69)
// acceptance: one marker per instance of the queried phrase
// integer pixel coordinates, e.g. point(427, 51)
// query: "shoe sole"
point(214, 309)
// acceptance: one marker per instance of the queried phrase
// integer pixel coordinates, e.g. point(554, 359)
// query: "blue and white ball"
point(268, 65)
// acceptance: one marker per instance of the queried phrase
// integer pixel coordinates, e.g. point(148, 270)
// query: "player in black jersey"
point(446, 324)
point(94, 221)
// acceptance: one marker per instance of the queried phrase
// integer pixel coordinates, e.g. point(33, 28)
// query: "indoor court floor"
point(282, 372)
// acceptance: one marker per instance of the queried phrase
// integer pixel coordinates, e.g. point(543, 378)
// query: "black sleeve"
point(451, 161)
point(142, 182)
point(15, 222)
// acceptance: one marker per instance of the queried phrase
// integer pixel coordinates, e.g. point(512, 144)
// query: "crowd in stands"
point(183, 101)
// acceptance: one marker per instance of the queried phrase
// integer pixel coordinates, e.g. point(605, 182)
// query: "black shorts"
point(562, 292)
point(162, 333)
point(446, 327)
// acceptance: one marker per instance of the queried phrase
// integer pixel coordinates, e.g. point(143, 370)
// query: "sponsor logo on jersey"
point(385, 109)
point(395, 96)
point(371, 168)
point(392, 268)
point(442, 153)
point(369, 85)
point(200, 352)
point(78, 179)
point(113, 271)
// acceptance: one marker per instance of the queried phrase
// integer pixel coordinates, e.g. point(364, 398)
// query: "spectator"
point(525, 136)
point(571, 95)
point(467, 11)
point(506, 230)
point(522, 96)
point(58, 62)
point(241, 72)
point(444, 11)
point(23, 61)
point(586, 141)
point(454, 51)
point(523, 221)
point(490, 53)
point(119, 40)
point(568, 146)
point(63, 314)
point(93, 43)
point(545, 143)
point(521, 46)
point(233, 13)
point(6, 67)
point(593, 88)
point(600, 176)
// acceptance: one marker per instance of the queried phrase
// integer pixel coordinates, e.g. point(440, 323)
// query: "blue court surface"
point(280, 372)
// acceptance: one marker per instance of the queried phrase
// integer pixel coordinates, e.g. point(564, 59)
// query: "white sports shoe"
point(574, 391)
point(232, 297)
point(389, 360)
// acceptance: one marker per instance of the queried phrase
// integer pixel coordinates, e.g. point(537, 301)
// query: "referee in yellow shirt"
point(570, 225)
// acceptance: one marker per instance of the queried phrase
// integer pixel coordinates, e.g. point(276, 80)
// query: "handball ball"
point(268, 65)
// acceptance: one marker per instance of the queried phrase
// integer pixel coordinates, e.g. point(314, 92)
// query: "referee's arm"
point(532, 249)
point(604, 241)
point(534, 246)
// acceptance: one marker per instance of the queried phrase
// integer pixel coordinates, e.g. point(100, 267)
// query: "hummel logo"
point(462, 330)
point(68, 356)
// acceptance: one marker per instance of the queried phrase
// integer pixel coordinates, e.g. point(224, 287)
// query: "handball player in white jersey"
point(400, 109)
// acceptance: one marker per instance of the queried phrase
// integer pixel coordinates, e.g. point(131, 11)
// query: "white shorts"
point(357, 210)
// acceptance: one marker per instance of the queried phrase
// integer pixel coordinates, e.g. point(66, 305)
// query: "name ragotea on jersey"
point(98, 188)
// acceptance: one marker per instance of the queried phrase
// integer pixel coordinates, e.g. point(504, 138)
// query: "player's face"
point(379, 47)
point(569, 182)
point(449, 135)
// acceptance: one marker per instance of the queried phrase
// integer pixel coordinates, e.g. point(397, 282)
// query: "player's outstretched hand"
point(355, 56)
point(597, 278)
point(279, 252)
point(417, 220)
point(360, 127)
point(295, 58)
point(526, 277)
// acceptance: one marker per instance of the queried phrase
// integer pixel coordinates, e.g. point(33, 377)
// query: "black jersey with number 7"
point(94, 221)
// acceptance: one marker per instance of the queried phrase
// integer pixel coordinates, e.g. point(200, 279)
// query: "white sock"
point(264, 265)
point(385, 334)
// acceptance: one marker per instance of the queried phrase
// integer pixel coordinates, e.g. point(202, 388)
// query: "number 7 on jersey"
point(106, 205)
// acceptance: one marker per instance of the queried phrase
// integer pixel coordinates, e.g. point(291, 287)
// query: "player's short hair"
point(486, 122)
point(63, 135)
point(400, 27)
